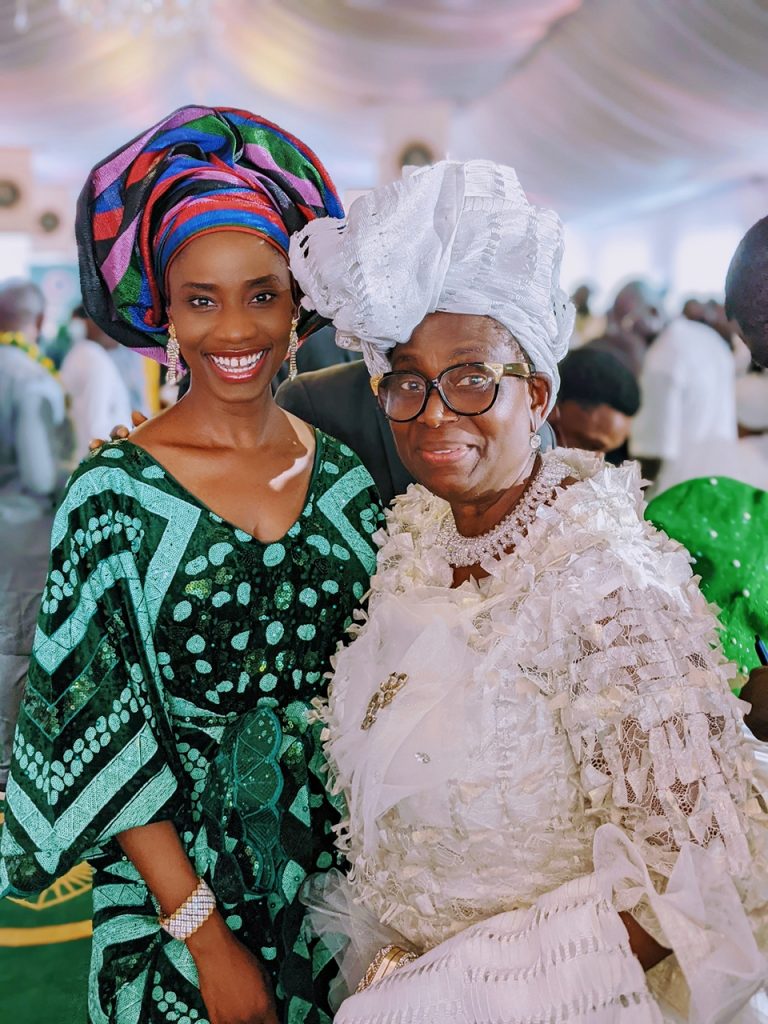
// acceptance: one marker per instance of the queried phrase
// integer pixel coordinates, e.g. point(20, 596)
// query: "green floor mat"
point(45, 947)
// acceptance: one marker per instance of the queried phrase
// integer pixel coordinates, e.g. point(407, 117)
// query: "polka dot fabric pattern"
point(176, 664)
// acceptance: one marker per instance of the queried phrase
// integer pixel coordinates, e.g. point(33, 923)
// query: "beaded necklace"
point(463, 551)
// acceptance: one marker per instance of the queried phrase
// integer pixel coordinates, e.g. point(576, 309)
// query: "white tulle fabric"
point(455, 237)
point(566, 747)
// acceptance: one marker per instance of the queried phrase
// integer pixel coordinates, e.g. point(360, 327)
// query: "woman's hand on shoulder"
point(233, 983)
point(119, 432)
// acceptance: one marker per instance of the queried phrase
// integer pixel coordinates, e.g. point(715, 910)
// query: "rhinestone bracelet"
point(192, 914)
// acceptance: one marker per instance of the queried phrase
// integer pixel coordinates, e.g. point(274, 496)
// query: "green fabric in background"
point(724, 525)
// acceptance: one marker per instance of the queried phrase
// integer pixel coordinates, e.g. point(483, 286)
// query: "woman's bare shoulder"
point(161, 434)
point(304, 431)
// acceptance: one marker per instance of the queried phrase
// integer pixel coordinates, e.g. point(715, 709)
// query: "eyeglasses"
point(468, 389)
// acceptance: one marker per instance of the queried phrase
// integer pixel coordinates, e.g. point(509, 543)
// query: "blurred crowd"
point(702, 402)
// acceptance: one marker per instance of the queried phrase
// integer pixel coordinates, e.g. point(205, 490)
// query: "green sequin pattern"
point(175, 664)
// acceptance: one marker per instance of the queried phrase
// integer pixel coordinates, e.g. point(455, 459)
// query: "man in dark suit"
point(338, 400)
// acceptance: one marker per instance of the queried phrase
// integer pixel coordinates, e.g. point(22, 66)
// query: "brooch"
point(385, 694)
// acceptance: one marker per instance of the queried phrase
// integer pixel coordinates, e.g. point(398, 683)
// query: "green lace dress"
point(175, 664)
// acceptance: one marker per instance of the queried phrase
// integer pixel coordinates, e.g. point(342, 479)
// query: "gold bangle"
point(387, 960)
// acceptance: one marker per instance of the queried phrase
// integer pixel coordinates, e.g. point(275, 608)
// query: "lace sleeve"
point(656, 731)
point(666, 771)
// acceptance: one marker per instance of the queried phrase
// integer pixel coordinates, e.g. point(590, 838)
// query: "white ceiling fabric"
point(599, 104)
point(630, 100)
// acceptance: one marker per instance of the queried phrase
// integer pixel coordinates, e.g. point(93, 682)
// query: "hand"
point(120, 432)
point(234, 985)
point(756, 693)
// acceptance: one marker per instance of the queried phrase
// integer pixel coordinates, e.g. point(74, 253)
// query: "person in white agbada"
point(97, 394)
point(689, 400)
point(552, 813)
point(744, 459)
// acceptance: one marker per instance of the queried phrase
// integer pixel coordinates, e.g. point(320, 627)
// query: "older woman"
point(548, 790)
point(201, 574)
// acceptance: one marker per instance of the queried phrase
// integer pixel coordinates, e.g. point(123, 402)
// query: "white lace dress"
point(565, 746)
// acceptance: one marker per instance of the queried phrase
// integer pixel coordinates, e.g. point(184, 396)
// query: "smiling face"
point(231, 302)
point(468, 458)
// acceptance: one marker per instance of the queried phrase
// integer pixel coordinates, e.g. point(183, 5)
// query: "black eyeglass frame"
point(526, 371)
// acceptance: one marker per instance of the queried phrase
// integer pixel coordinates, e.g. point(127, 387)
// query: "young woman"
point(201, 574)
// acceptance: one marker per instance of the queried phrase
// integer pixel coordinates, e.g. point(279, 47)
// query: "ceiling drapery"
point(630, 101)
point(600, 104)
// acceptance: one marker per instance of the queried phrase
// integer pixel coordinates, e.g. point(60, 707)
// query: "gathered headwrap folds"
point(454, 237)
point(202, 169)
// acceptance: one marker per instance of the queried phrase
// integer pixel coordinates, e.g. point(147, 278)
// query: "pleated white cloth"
point(565, 747)
point(566, 958)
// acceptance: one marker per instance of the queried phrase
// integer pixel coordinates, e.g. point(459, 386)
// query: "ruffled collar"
point(602, 495)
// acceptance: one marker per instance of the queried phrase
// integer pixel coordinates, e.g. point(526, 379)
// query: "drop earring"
point(172, 353)
point(293, 347)
point(535, 441)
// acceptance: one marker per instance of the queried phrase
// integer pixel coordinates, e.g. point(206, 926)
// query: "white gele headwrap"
point(454, 237)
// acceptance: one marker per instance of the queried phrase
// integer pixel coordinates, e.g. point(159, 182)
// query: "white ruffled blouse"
point(579, 685)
